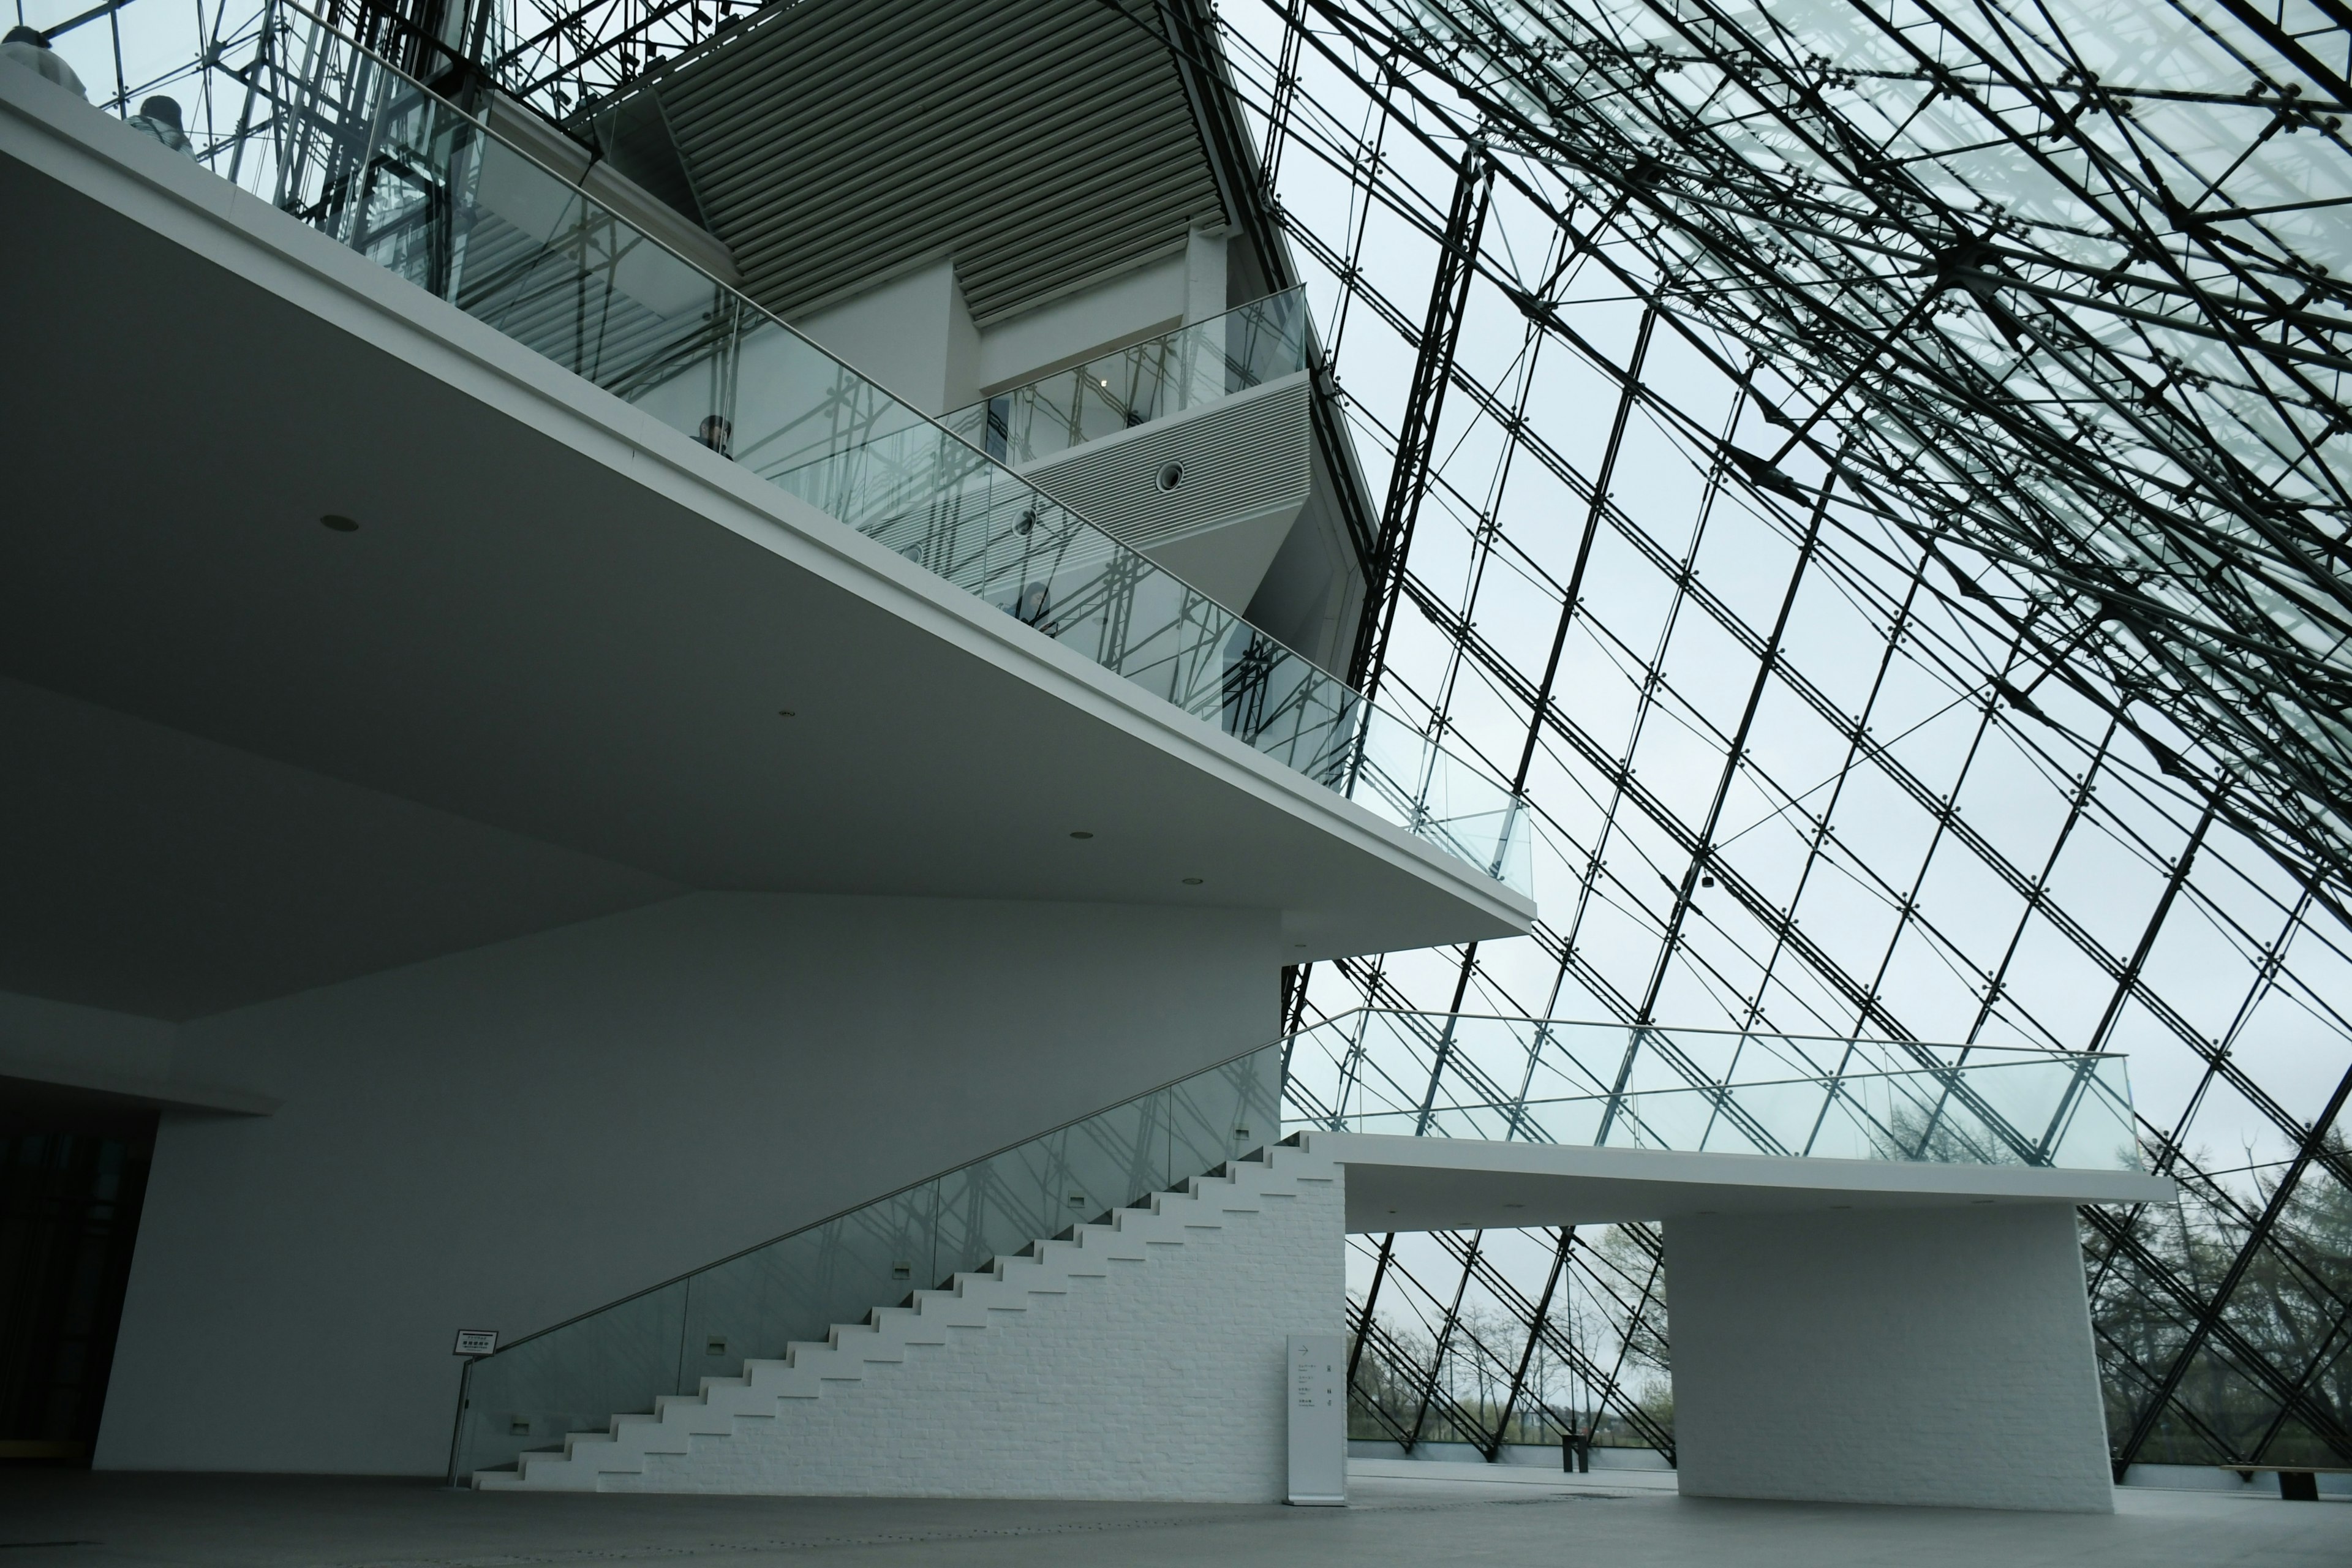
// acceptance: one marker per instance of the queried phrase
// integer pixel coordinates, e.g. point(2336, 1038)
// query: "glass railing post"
point(727, 324)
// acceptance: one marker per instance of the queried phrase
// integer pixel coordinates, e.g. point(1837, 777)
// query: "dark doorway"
point(73, 1173)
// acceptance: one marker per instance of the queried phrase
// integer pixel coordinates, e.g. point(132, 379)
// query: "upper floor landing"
point(459, 487)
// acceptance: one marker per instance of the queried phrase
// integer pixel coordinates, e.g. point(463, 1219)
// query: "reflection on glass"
point(1186, 369)
point(1700, 1091)
point(2076, 296)
point(577, 1375)
point(338, 139)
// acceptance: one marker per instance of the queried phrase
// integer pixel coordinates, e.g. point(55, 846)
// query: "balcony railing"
point(1528, 1080)
point(577, 1375)
point(1189, 368)
point(306, 118)
point(1700, 1091)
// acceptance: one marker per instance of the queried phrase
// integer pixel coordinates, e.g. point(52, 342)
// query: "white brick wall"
point(1937, 1356)
point(1145, 1363)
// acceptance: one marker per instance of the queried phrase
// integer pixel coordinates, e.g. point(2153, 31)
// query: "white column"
point(1934, 1356)
point(1205, 276)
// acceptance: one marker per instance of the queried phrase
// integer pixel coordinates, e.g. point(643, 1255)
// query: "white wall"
point(913, 334)
point(1162, 1378)
point(1929, 1356)
point(1122, 310)
point(916, 334)
point(1205, 276)
point(506, 1137)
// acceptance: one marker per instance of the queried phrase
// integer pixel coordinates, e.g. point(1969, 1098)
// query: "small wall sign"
point(1318, 1420)
point(476, 1341)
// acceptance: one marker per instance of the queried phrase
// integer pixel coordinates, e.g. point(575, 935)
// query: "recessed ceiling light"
point(1191, 881)
point(340, 524)
point(1082, 835)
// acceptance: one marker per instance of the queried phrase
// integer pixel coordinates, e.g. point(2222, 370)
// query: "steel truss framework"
point(1888, 471)
point(1875, 473)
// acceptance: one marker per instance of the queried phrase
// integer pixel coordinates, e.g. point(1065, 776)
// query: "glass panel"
point(342, 142)
point(1188, 368)
point(578, 1375)
point(1107, 1162)
point(1541, 1080)
point(1222, 1113)
point(993, 1205)
point(574, 1378)
point(754, 1305)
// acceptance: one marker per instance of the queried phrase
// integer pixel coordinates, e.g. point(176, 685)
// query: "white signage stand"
point(1317, 1394)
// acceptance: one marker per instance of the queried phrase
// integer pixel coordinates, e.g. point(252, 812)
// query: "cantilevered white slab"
point(558, 617)
point(1397, 1183)
point(1841, 1330)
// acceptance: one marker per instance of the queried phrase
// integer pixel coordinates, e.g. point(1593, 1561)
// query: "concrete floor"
point(1429, 1514)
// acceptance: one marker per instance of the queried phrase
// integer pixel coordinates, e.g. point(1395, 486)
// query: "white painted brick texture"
point(1924, 1356)
point(1145, 1360)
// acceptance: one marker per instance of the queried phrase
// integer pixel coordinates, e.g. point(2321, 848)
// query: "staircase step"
point(965, 1303)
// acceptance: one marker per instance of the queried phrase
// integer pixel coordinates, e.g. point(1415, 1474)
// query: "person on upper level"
point(29, 46)
point(159, 118)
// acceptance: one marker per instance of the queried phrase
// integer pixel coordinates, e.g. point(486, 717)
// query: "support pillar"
point(1937, 1356)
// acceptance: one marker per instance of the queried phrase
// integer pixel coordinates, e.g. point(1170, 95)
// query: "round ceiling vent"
point(1171, 476)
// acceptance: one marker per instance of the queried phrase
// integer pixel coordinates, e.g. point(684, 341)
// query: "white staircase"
point(1141, 1356)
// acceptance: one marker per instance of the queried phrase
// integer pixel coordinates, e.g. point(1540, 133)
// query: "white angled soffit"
point(249, 239)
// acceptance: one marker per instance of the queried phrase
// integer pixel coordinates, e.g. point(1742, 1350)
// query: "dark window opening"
point(73, 1177)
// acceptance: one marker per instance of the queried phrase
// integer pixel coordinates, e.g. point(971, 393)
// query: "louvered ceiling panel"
point(1048, 143)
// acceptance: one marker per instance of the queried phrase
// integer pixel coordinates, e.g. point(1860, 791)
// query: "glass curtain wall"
point(1876, 491)
point(1888, 505)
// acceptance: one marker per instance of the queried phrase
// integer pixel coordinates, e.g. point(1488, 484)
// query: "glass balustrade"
point(1617, 1086)
point(1186, 369)
point(1517, 1080)
point(301, 116)
point(577, 1375)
